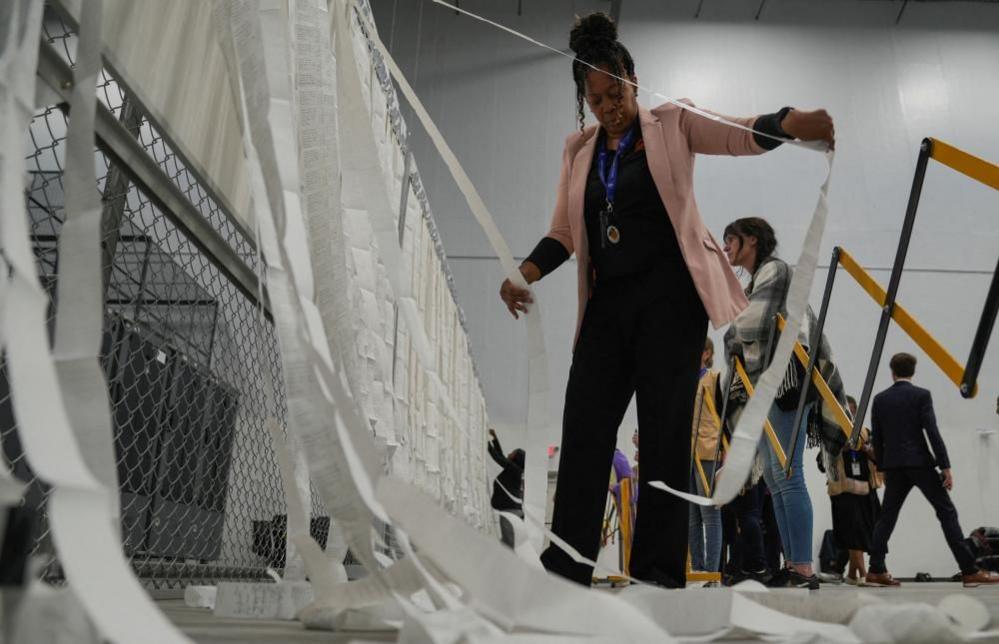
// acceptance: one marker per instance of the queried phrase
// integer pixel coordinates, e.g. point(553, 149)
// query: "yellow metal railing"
point(905, 320)
point(966, 376)
point(969, 165)
point(842, 418)
point(627, 524)
point(767, 427)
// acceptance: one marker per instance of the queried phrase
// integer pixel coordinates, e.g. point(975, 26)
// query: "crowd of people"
point(650, 277)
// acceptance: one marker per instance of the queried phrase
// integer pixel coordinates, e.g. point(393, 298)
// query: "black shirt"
point(638, 203)
point(646, 232)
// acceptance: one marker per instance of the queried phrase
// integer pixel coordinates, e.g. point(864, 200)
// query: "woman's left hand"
point(815, 125)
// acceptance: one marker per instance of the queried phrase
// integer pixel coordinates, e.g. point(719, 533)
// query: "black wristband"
point(770, 124)
point(548, 255)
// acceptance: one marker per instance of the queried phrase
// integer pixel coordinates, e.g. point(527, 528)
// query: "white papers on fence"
point(341, 461)
point(540, 430)
point(364, 190)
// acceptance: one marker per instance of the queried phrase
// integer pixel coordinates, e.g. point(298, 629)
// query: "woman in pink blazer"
point(650, 276)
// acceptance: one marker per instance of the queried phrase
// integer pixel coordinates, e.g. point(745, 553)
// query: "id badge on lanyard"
point(608, 177)
point(854, 464)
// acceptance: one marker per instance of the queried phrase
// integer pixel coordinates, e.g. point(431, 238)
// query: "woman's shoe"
point(797, 580)
point(779, 578)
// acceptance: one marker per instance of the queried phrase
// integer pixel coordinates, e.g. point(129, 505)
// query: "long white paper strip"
point(80, 285)
point(79, 507)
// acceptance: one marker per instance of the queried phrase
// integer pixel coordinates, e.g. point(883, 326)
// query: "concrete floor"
point(826, 603)
point(204, 628)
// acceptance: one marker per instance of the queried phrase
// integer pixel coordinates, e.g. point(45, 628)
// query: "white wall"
point(506, 106)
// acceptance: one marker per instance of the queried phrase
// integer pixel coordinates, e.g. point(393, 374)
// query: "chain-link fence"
point(191, 361)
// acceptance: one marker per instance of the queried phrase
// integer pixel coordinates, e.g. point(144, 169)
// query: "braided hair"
point(594, 41)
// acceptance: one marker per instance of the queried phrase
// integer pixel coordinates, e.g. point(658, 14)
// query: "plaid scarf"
point(752, 337)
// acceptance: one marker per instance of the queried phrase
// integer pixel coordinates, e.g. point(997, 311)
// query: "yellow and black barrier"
point(821, 386)
point(986, 173)
point(627, 524)
point(965, 377)
point(767, 427)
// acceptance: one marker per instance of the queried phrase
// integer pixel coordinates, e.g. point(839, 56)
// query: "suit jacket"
point(672, 136)
point(898, 417)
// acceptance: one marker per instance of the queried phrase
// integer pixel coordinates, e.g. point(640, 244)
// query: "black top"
point(898, 417)
point(646, 232)
point(511, 478)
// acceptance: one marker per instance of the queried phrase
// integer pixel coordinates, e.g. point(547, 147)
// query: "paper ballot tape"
point(81, 512)
point(540, 431)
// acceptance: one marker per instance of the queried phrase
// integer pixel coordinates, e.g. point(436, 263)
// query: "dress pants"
point(898, 484)
point(641, 335)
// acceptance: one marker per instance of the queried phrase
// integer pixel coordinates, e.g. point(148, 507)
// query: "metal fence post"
point(896, 276)
point(981, 341)
point(815, 341)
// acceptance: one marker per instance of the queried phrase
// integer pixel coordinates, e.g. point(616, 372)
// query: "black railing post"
point(896, 276)
point(815, 342)
point(969, 384)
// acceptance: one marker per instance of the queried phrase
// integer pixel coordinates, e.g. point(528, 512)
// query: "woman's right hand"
point(516, 298)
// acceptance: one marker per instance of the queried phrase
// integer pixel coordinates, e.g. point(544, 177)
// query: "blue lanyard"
point(609, 177)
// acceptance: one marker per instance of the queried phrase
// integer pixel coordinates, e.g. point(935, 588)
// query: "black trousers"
point(642, 335)
point(898, 484)
point(772, 546)
point(742, 525)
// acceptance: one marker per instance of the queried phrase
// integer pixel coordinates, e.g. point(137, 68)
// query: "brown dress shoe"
point(881, 579)
point(982, 577)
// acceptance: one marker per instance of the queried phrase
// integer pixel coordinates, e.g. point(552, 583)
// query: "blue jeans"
point(792, 505)
point(705, 528)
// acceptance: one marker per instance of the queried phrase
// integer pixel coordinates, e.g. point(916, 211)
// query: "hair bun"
point(591, 28)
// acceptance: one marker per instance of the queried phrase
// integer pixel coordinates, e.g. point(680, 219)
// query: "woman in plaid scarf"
point(750, 243)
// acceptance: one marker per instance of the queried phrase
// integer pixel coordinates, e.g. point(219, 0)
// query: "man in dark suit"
point(899, 416)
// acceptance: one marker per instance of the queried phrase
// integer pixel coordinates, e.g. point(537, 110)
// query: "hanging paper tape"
point(79, 508)
point(341, 464)
point(540, 431)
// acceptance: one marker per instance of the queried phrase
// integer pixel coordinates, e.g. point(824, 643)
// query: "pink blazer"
point(672, 136)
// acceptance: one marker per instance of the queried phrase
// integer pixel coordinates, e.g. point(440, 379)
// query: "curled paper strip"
point(80, 509)
point(503, 588)
point(321, 414)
